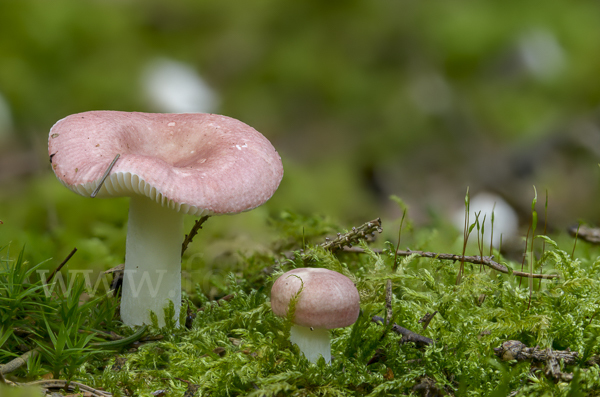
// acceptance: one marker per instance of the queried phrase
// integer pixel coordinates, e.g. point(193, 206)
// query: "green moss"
point(236, 346)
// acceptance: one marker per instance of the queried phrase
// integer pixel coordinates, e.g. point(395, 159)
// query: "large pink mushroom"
point(327, 300)
point(170, 165)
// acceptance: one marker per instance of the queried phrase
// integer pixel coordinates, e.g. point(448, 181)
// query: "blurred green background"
point(362, 99)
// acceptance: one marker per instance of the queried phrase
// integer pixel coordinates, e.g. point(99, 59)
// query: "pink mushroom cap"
point(328, 299)
point(195, 163)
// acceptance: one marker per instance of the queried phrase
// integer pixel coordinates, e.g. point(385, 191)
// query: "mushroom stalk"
point(152, 274)
point(313, 342)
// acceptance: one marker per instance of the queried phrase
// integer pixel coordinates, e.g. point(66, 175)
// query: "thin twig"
point(407, 335)
point(62, 384)
point(388, 302)
point(110, 167)
point(353, 236)
point(18, 362)
point(51, 276)
point(189, 237)
point(586, 233)
point(427, 319)
point(517, 350)
point(346, 240)
point(486, 261)
point(591, 318)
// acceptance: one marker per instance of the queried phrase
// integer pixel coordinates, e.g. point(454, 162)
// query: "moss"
point(236, 346)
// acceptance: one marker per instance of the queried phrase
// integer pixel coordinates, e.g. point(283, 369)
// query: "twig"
point(346, 240)
point(407, 335)
point(189, 237)
point(517, 350)
point(388, 302)
point(110, 167)
point(486, 261)
point(353, 236)
point(18, 362)
point(427, 319)
point(191, 389)
point(51, 276)
point(62, 384)
point(586, 233)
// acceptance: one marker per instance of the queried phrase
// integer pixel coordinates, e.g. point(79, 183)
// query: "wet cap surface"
point(328, 299)
point(196, 163)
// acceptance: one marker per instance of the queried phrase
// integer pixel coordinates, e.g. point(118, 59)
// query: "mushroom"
point(325, 300)
point(169, 165)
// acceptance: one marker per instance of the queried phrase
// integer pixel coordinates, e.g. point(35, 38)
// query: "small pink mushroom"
point(328, 300)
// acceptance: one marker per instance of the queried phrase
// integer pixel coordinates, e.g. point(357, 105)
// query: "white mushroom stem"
point(313, 342)
point(152, 262)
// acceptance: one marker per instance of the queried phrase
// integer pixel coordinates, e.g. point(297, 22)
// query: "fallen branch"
point(517, 350)
point(586, 233)
point(18, 362)
point(353, 236)
point(62, 384)
point(51, 276)
point(478, 260)
point(189, 237)
point(388, 302)
point(346, 240)
point(427, 319)
point(407, 335)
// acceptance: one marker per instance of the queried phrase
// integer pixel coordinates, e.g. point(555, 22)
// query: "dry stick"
point(64, 384)
point(586, 233)
point(353, 236)
point(407, 335)
point(427, 319)
point(110, 167)
point(189, 237)
point(591, 318)
point(517, 350)
point(388, 302)
point(18, 362)
point(51, 276)
point(486, 261)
